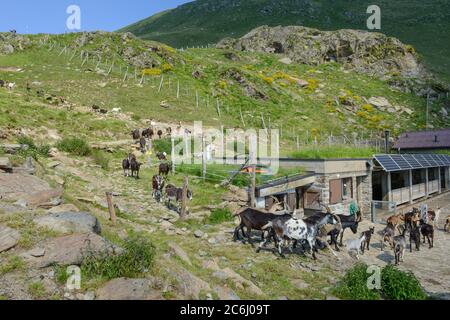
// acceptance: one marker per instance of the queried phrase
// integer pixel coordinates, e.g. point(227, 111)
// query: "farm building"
point(423, 141)
point(341, 183)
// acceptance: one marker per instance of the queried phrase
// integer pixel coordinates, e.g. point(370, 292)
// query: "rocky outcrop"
point(368, 52)
point(14, 187)
point(129, 289)
point(70, 222)
point(68, 250)
point(362, 51)
point(8, 238)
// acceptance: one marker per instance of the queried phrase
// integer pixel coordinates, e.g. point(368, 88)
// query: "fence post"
point(112, 210)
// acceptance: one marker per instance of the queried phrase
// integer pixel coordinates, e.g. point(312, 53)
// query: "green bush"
point(399, 285)
point(395, 285)
point(101, 159)
point(219, 216)
point(33, 150)
point(354, 285)
point(75, 146)
point(136, 259)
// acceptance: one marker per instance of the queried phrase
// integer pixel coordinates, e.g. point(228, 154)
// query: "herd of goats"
point(288, 231)
point(161, 192)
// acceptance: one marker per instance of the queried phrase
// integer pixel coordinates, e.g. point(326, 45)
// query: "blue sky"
point(49, 16)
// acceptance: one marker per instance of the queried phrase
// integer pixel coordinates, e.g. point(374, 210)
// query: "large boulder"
point(69, 250)
point(14, 187)
point(5, 165)
point(70, 222)
point(8, 238)
point(129, 289)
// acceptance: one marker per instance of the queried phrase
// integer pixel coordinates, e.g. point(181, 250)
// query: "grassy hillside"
point(424, 25)
point(332, 101)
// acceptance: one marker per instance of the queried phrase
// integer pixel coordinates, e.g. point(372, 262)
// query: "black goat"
point(136, 134)
point(349, 222)
point(367, 237)
point(414, 237)
point(135, 167)
point(427, 232)
point(165, 169)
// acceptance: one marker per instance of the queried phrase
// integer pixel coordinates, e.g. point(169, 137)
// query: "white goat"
point(10, 85)
point(355, 245)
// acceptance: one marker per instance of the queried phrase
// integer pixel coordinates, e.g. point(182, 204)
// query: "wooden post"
point(196, 99)
point(218, 107)
point(161, 84)
point(178, 89)
point(183, 212)
point(242, 116)
point(112, 210)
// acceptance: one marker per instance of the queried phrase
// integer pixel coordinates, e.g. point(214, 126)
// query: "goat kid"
point(356, 245)
point(368, 237)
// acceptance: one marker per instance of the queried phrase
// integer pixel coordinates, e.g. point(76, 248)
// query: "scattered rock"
point(221, 275)
point(63, 208)
point(180, 253)
point(53, 164)
point(8, 238)
point(37, 252)
point(379, 102)
point(226, 294)
point(128, 289)
point(189, 285)
point(286, 60)
point(199, 234)
point(5, 165)
point(299, 284)
point(70, 222)
point(14, 187)
point(69, 250)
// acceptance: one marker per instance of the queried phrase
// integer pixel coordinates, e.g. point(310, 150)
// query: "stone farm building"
point(403, 179)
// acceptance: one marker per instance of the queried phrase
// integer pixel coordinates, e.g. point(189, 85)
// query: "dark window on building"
point(417, 177)
point(398, 180)
point(432, 174)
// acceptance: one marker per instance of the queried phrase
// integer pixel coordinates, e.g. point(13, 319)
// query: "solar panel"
point(387, 163)
point(401, 162)
point(430, 158)
point(439, 160)
point(412, 161)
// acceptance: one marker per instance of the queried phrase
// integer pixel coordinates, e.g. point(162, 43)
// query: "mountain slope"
point(219, 87)
point(424, 25)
